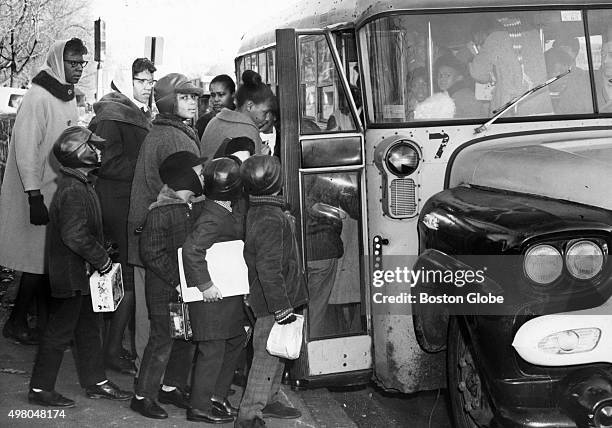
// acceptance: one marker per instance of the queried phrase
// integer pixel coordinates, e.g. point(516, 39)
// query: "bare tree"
point(29, 27)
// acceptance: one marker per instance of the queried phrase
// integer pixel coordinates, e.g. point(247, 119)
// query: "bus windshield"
point(468, 65)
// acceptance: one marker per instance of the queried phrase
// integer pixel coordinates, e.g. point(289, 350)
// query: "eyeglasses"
point(75, 64)
point(149, 82)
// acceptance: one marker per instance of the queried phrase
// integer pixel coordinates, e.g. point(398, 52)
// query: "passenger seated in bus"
point(513, 58)
point(570, 94)
point(451, 78)
point(418, 89)
point(603, 79)
point(342, 119)
point(568, 44)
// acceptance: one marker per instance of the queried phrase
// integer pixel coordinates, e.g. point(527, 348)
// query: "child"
point(75, 249)
point(217, 323)
point(168, 223)
point(276, 285)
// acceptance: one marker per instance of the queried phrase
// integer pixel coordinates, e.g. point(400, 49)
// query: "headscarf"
point(54, 65)
point(122, 81)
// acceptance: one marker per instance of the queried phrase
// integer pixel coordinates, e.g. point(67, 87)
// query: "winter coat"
point(76, 243)
point(466, 104)
point(169, 221)
point(324, 232)
point(228, 124)
point(46, 110)
point(276, 277)
point(203, 122)
point(498, 56)
point(222, 319)
point(124, 127)
point(167, 136)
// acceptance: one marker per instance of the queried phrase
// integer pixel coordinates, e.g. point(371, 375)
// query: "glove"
point(39, 215)
point(285, 316)
point(112, 249)
point(107, 267)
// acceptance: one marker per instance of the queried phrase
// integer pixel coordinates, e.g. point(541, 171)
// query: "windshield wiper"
point(497, 113)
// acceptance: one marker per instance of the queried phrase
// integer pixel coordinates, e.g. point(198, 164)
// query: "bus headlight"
point(402, 159)
point(584, 259)
point(570, 341)
point(543, 264)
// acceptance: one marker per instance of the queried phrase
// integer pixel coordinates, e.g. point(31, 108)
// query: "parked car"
point(10, 99)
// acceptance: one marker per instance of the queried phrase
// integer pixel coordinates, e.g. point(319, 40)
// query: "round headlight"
point(584, 259)
point(543, 264)
point(402, 159)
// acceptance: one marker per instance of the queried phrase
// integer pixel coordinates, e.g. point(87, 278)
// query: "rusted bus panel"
point(6, 126)
point(400, 363)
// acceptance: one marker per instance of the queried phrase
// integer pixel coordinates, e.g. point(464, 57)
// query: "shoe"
point(224, 407)
point(279, 411)
point(148, 408)
point(120, 365)
point(49, 398)
point(20, 335)
point(249, 423)
point(108, 390)
point(212, 416)
point(176, 397)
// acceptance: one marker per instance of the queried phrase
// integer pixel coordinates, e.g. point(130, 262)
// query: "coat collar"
point(120, 108)
point(165, 119)
point(64, 92)
point(276, 201)
point(75, 173)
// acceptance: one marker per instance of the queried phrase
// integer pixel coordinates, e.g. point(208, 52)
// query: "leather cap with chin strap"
point(222, 180)
point(75, 148)
point(262, 175)
point(167, 87)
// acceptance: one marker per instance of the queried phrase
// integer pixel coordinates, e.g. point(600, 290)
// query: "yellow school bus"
point(464, 138)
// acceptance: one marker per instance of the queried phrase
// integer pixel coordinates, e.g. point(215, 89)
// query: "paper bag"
point(106, 290)
point(285, 340)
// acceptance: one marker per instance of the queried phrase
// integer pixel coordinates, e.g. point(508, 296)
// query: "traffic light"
point(99, 40)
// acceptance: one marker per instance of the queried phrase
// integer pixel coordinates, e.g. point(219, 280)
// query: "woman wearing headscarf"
point(30, 178)
point(122, 119)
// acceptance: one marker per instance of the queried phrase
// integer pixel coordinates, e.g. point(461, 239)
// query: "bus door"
point(322, 150)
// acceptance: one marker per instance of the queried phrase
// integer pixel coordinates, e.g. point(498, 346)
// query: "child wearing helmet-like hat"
point(76, 249)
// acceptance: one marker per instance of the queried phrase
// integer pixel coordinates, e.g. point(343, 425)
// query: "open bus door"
point(322, 151)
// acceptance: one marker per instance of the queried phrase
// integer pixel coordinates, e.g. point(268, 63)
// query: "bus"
point(447, 162)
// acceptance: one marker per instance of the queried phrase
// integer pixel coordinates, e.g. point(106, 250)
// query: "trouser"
point(141, 316)
point(321, 278)
point(265, 375)
point(163, 352)
point(214, 370)
point(72, 317)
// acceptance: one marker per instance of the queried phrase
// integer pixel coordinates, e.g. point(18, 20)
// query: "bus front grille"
point(403, 198)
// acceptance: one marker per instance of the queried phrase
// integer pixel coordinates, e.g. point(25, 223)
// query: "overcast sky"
point(201, 37)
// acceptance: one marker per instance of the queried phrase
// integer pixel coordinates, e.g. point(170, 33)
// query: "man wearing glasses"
point(29, 183)
point(123, 120)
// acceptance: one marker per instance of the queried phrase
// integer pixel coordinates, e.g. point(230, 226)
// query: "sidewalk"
point(16, 363)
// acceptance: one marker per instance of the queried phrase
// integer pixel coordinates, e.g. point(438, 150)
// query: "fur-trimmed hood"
point(118, 107)
point(167, 196)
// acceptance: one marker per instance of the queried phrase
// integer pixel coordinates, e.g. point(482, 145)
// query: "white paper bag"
point(285, 340)
point(106, 290)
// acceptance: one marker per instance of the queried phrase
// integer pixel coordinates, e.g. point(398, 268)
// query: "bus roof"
point(308, 14)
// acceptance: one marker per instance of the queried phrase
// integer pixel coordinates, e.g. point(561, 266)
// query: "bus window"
point(600, 28)
point(263, 69)
point(467, 65)
point(332, 241)
point(272, 68)
point(323, 104)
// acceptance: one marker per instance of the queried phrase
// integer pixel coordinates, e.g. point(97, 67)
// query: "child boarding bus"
point(449, 166)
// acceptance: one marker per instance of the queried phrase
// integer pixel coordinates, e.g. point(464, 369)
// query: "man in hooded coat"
point(123, 120)
point(29, 182)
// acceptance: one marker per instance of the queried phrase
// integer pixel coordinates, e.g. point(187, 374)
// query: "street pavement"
point(318, 408)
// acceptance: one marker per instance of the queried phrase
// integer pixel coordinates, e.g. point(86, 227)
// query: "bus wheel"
point(469, 401)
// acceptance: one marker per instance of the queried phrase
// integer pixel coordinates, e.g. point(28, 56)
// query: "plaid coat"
point(169, 221)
